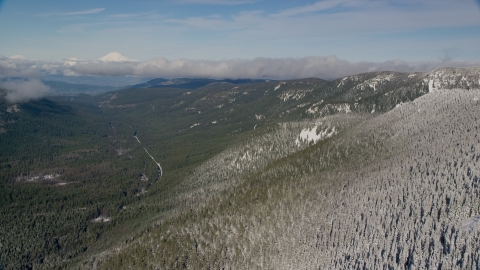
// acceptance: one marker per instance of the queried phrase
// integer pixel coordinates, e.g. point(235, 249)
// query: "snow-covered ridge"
point(374, 82)
point(451, 78)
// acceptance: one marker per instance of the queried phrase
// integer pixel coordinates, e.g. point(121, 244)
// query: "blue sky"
point(352, 30)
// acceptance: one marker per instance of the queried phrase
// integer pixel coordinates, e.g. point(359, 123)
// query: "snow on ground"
point(259, 116)
point(278, 86)
point(13, 108)
point(430, 86)
point(308, 135)
point(101, 219)
point(194, 125)
point(38, 178)
point(313, 109)
point(160, 171)
point(470, 224)
point(294, 94)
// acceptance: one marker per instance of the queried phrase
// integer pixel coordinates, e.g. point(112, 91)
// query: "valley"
point(375, 170)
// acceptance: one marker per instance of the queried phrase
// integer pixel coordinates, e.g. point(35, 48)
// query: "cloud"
point(328, 67)
point(73, 13)
point(132, 15)
point(22, 90)
point(83, 12)
point(19, 68)
point(316, 7)
point(218, 2)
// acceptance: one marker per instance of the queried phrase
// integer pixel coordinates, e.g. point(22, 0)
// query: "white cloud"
point(217, 2)
point(282, 68)
point(357, 19)
point(132, 15)
point(316, 7)
point(22, 90)
point(83, 12)
point(72, 13)
point(329, 67)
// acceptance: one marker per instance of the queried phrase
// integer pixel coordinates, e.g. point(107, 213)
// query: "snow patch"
point(313, 109)
point(143, 177)
point(294, 94)
point(278, 86)
point(259, 116)
point(309, 135)
point(194, 125)
point(470, 224)
point(101, 219)
point(13, 108)
point(38, 178)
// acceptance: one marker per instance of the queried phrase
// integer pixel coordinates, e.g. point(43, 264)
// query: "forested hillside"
point(376, 170)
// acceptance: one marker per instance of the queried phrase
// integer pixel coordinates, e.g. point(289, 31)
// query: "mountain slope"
point(390, 198)
point(252, 174)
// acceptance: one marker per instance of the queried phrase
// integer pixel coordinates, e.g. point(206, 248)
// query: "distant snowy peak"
point(115, 57)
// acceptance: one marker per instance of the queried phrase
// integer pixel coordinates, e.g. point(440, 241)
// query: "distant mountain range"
point(189, 83)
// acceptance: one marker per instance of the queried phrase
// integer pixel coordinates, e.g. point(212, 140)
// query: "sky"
point(236, 38)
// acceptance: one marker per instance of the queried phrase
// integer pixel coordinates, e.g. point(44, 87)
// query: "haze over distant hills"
point(374, 170)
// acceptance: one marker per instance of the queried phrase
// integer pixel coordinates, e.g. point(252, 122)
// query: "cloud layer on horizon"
point(26, 74)
point(329, 67)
